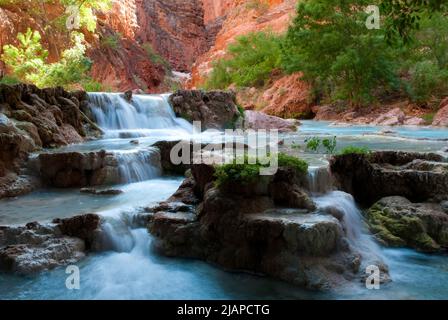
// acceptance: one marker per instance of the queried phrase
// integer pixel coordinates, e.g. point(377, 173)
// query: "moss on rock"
point(395, 221)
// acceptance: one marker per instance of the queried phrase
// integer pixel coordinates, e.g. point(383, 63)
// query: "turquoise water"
point(138, 273)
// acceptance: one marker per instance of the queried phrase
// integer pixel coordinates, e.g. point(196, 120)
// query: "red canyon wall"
point(175, 29)
point(240, 17)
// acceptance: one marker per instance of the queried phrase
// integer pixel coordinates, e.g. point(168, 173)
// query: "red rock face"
point(239, 17)
point(441, 118)
point(174, 28)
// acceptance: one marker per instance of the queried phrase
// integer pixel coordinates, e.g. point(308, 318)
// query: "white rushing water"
point(141, 116)
point(140, 165)
point(355, 228)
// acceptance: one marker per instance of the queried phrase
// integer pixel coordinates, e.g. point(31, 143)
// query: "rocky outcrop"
point(214, 109)
point(30, 119)
point(441, 117)
point(258, 120)
point(285, 96)
point(36, 247)
point(65, 169)
point(397, 117)
point(242, 229)
point(370, 177)
point(398, 222)
point(73, 169)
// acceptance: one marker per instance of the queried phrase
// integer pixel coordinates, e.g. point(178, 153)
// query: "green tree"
point(87, 10)
point(28, 62)
point(342, 59)
point(73, 68)
point(28, 57)
point(249, 62)
point(404, 16)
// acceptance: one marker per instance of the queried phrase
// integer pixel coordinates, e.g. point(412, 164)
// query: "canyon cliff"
point(130, 40)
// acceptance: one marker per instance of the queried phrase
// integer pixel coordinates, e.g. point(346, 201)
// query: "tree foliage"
point(404, 16)
point(28, 62)
point(329, 43)
point(249, 62)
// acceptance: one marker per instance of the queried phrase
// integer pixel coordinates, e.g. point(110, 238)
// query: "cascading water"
point(138, 165)
point(357, 235)
point(149, 116)
point(120, 118)
point(320, 180)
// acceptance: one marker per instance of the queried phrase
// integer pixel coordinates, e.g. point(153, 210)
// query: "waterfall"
point(138, 165)
point(355, 228)
point(123, 119)
point(320, 180)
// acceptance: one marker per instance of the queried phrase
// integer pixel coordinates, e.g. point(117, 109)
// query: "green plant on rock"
point(249, 171)
point(285, 160)
point(354, 150)
point(241, 173)
point(111, 41)
point(155, 57)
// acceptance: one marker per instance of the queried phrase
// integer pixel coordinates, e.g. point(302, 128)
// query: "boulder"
point(396, 221)
point(369, 177)
point(260, 121)
point(102, 192)
point(85, 227)
point(71, 169)
point(392, 118)
point(214, 109)
point(30, 119)
point(36, 247)
point(441, 117)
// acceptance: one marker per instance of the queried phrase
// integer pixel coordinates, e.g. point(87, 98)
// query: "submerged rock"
point(396, 221)
point(104, 192)
point(36, 247)
point(370, 177)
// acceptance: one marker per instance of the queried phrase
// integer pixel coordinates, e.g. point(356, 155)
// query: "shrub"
point(428, 81)
point(247, 173)
point(313, 144)
point(10, 80)
point(354, 150)
point(28, 57)
point(250, 62)
point(329, 145)
point(285, 160)
point(242, 173)
point(155, 57)
point(340, 58)
point(111, 41)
